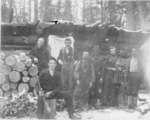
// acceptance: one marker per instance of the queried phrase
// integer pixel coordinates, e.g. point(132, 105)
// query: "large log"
point(14, 76)
point(10, 60)
point(25, 73)
point(13, 86)
point(4, 69)
point(23, 87)
point(20, 66)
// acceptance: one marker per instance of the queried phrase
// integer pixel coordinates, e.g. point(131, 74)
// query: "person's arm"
point(93, 75)
point(60, 57)
point(58, 82)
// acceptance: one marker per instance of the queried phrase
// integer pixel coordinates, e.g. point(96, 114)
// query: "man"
point(134, 80)
point(51, 85)
point(109, 91)
point(42, 52)
point(66, 59)
point(85, 77)
point(96, 90)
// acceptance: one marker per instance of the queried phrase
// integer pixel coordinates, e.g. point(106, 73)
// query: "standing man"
point(42, 52)
point(51, 85)
point(109, 80)
point(134, 80)
point(66, 59)
point(85, 77)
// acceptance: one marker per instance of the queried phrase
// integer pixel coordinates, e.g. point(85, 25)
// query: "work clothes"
point(53, 83)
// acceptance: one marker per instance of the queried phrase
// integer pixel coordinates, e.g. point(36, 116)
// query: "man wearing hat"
point(66, 59)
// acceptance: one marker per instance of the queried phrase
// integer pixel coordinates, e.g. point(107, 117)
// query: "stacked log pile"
point(18, 72)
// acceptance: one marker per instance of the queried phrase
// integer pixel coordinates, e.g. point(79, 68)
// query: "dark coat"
point(43, 56)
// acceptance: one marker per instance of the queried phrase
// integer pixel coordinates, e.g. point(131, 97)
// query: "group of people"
point(82, 82)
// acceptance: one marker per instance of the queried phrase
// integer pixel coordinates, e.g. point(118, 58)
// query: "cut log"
point(14, 92)
point(13, 86)
point(5, 86)
point(33, 71)
point(23, 87)
point(10, 60)
point(4, 69)
point(28, 63)
point(7, 94)
point(22, 56)
point(20, 66)
point(25, 73)
point(25, 79)
point(2, 78)
point(1, 92)
point(33, 81)
point(2, 55)
point(14, 76)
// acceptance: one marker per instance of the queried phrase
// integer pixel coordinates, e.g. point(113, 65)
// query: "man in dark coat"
point(85, 77)
point(42, 52)
point(52, 89)
point(109, 80)
point(66, 59)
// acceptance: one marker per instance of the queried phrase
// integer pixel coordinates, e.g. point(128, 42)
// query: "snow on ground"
point(111, 113)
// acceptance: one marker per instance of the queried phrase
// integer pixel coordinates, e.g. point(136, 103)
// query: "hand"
point(91, 84)
point(78, 82)
point(41, 93)
point(60, 62)
point(48, 93)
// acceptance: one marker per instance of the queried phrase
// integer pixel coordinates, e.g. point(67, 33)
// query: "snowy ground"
point(141, 113)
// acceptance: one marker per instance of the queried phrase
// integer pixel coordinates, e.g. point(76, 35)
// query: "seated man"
point(51, 85)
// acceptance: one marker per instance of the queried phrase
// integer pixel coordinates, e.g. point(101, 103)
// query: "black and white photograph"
point(75, 60)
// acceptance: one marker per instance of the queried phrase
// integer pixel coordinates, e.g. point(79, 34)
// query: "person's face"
point(85, 56)
point(40, 42)
point(68, 43)
point(52, 64)
point(113, 51)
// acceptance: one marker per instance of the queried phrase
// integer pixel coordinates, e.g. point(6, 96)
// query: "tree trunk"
point(131, 23)
point(35, 10)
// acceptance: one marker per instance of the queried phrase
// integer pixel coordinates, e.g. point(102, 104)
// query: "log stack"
point(18, 72)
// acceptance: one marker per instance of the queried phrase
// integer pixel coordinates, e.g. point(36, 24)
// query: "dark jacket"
point(43, 56)
point(50, 83)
